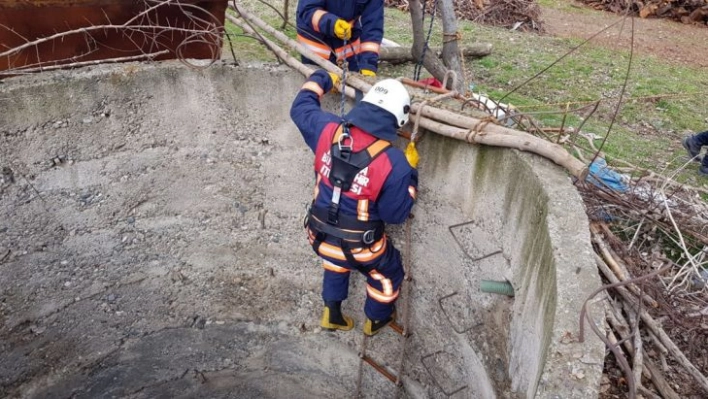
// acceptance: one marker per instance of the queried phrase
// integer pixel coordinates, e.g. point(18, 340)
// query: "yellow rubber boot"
point(373, 327)
point(333, 319)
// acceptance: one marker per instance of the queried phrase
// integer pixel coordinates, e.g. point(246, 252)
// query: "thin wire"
point(560, 59)
point(631, 98)
point(345, 66)
point(619, 101)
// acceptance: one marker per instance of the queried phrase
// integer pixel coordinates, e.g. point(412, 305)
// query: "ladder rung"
point(380, 369)
point(396, 327)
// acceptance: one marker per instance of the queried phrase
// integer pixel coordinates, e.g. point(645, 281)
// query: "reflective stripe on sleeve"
point(370, 46)
point(316, 17)
point(312, 86)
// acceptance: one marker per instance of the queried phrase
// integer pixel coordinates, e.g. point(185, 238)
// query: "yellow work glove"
point(335, 81)
point(367, 72)
point(412, 155)
point(342, 29)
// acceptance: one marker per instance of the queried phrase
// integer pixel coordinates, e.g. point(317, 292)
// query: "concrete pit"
point(151, 245)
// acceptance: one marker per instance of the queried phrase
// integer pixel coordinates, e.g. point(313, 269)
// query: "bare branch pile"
point(686, 11)
point(651, 244)
point(522, 15)
point(654, 338)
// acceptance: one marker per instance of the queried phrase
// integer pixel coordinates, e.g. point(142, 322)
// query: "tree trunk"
point(398, 55)
point(286, 8)
point(451, 55)
point(430, 62)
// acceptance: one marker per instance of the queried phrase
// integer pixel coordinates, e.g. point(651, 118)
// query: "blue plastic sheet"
point(601, 175)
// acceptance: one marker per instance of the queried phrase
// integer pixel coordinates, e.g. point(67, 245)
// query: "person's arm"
point(399, 191)
point(312, 15)
point(306, 111)
point(372, 30)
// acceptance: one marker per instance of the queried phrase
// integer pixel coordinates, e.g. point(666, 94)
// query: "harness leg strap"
point(346, 250)
point(350, 258)
point(319, 238)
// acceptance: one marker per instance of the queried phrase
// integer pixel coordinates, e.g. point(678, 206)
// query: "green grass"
point(662, 102)
point(248, 49)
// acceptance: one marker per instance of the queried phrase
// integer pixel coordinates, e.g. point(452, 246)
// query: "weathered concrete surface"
point(525, 224)
point(151, 245)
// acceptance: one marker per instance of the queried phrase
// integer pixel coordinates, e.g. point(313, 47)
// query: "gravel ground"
point(135, 226)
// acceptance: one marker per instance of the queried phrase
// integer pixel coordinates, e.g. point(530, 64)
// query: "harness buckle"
point(368, 237)
point(333, 212)
point(342, 141)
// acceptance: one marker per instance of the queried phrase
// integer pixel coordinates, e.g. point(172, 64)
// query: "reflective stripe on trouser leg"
point(383, 286)
point(314, 46)
point(348, 51)
point(335, 283)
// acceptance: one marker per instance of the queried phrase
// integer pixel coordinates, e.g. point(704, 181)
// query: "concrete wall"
point(527, 227)
point(167, 203)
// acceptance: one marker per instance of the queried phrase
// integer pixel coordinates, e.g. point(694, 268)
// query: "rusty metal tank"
point(48, 33)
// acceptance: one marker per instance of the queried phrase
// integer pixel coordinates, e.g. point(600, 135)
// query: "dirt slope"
point(672, 41)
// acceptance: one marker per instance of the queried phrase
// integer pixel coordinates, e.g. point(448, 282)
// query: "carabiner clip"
point(344, 136)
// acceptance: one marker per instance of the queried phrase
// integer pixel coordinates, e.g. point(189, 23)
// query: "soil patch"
point(668, 40)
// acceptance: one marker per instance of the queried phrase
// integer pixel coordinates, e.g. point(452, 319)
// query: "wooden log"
point(638, 356)
point(398, 55)
point(475, 130)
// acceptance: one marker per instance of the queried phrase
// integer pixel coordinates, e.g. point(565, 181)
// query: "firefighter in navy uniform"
point(362, 183)
point(324, 25)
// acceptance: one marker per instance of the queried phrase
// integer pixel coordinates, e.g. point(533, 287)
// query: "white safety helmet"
point(390, 95)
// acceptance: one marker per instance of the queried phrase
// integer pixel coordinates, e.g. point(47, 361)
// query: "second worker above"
point(324, 26)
